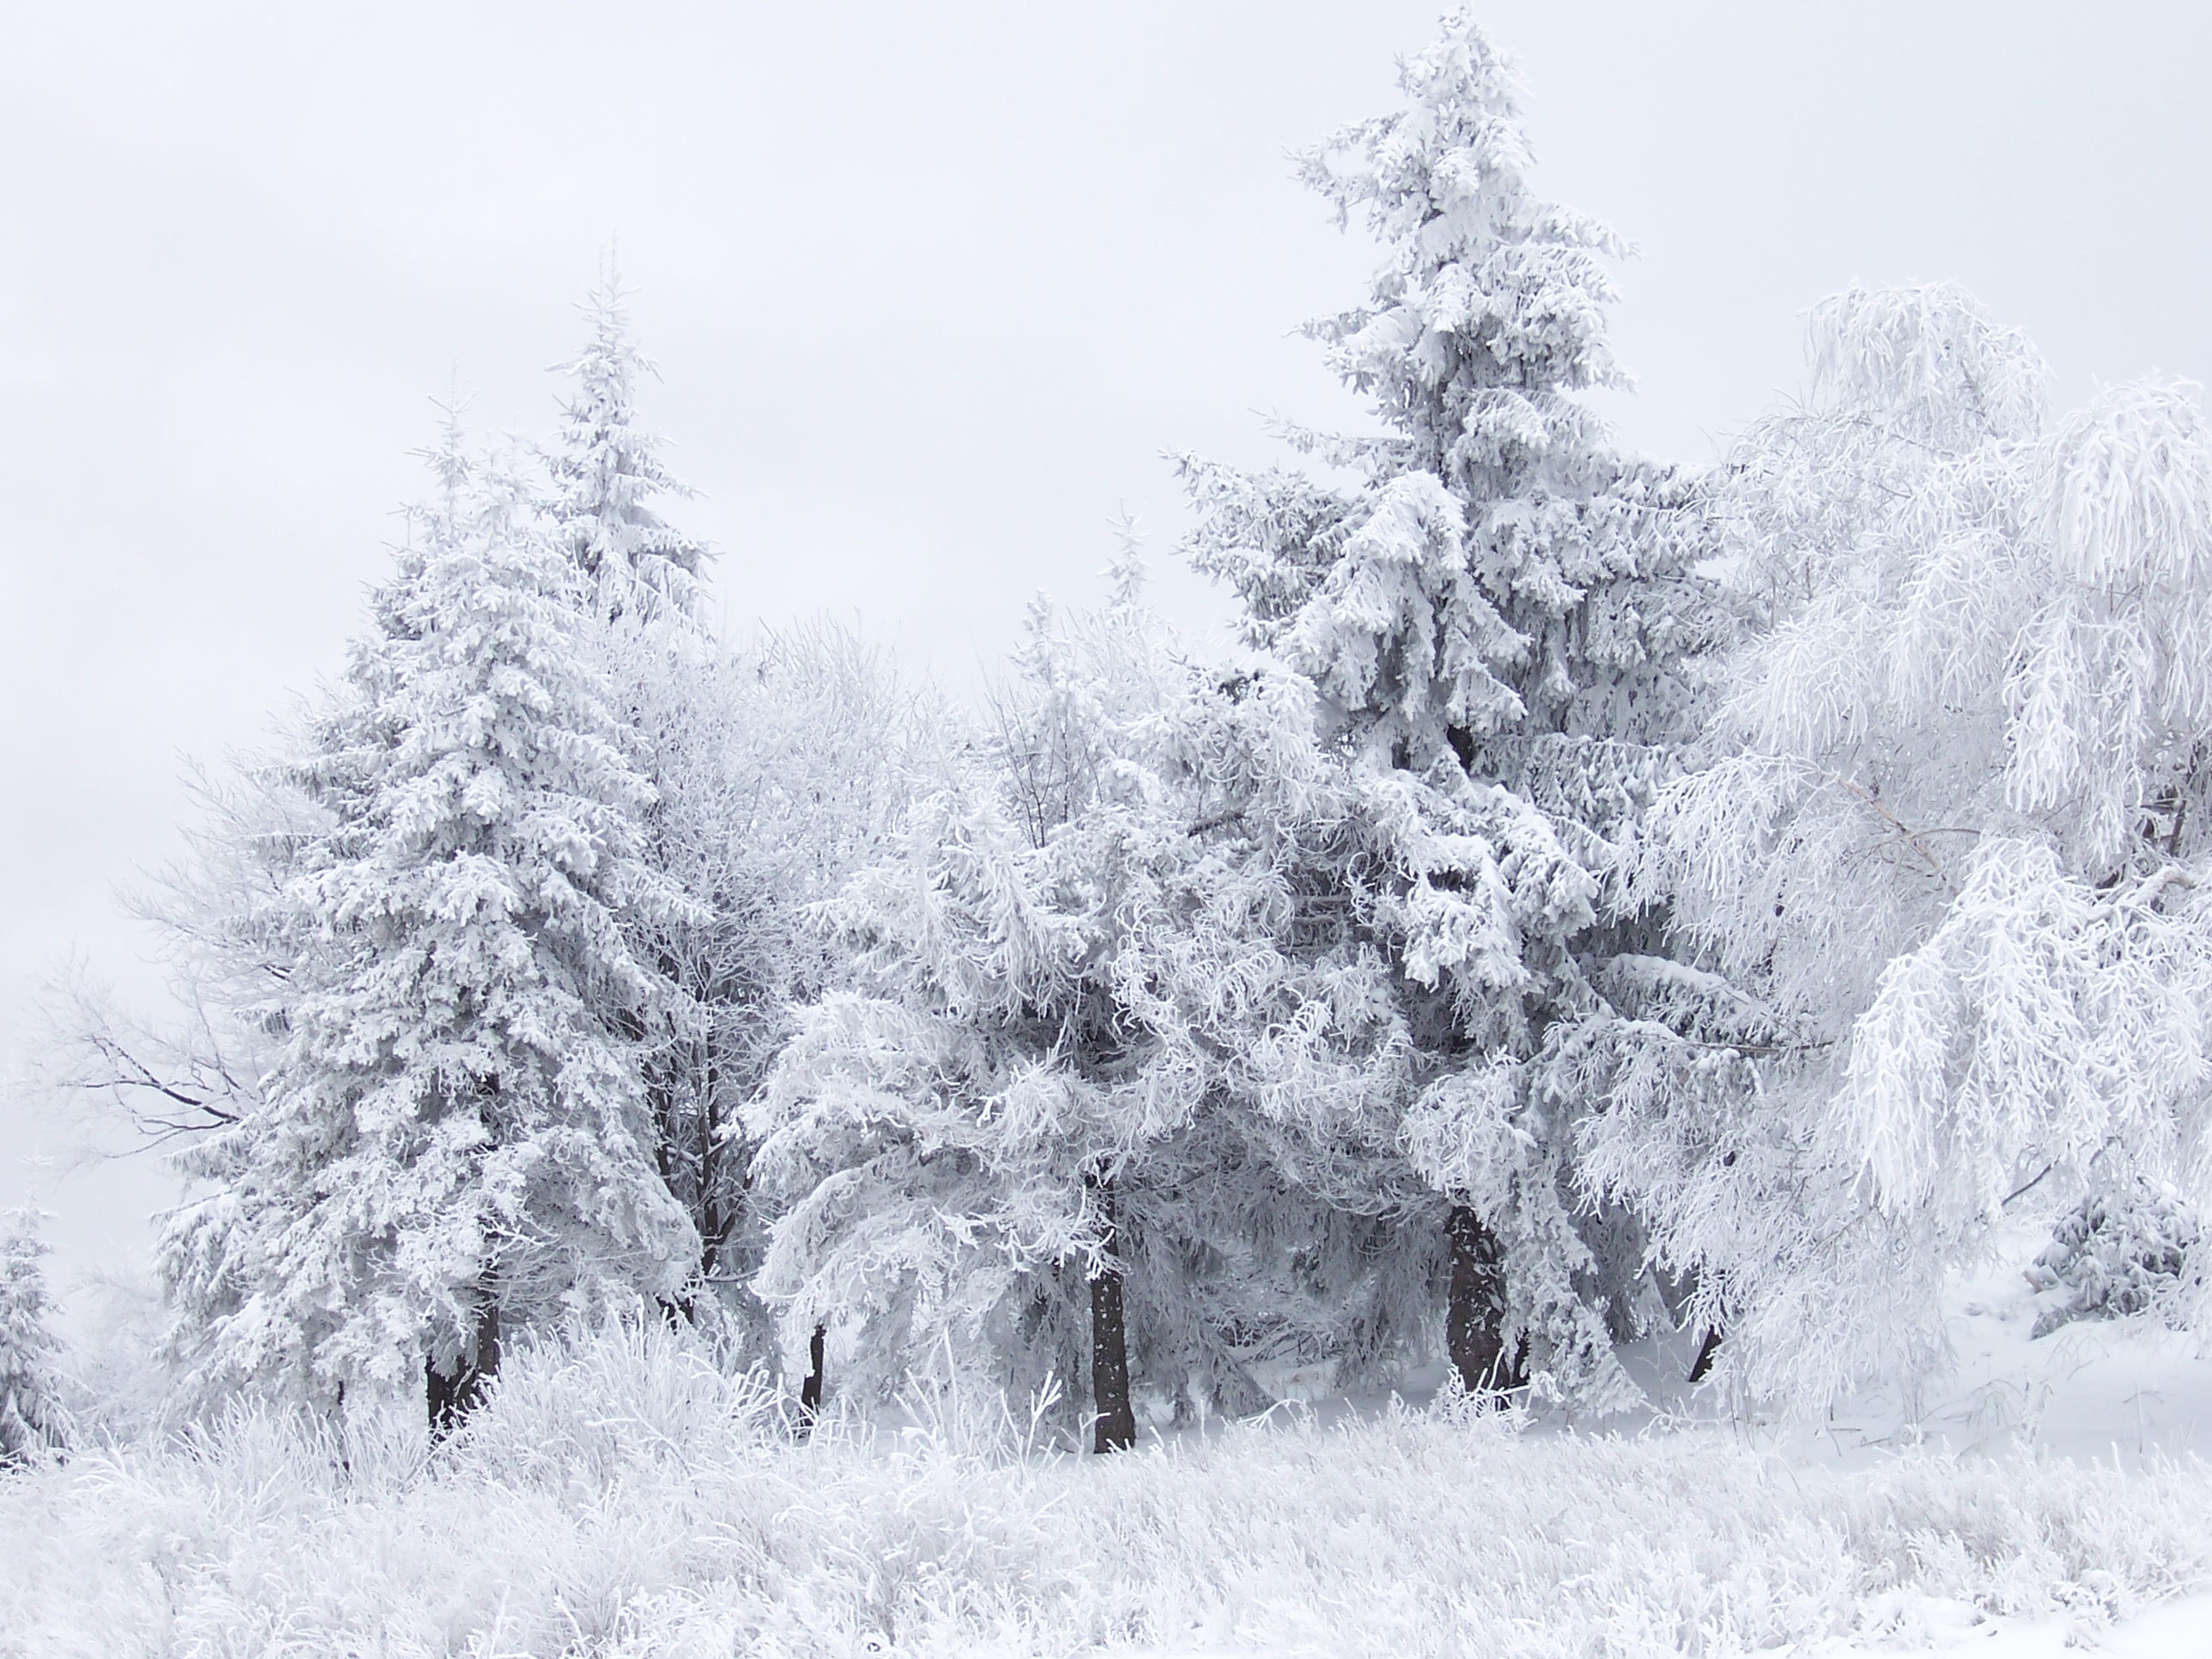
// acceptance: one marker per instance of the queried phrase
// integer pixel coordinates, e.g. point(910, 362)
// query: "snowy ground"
point(2177, 1629)
point(2127, 1395)
point(2123, 1394)
point(626, 1500)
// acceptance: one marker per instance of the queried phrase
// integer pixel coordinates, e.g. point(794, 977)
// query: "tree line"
point(1595, 896)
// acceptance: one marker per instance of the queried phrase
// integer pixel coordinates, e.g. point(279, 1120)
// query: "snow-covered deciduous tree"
point(609, 476)
point(33, 1423)
point(778, 772)
point(1501, 604)
point(452, 1136)
point(1946, 867)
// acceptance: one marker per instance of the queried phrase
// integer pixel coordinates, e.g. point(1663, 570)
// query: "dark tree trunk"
point(454, 1396)
point(1117, 1421)
point(440, 1389)
point(1474, 1314)
point(810, 1391)
point(1702, 1366)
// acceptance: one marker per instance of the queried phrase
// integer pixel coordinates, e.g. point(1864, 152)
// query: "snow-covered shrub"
point(2126, 1250)
point(576, 1409)
point(32, 1421)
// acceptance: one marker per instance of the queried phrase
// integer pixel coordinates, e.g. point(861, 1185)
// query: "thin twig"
point(2020, 1192)
point(1905, 832)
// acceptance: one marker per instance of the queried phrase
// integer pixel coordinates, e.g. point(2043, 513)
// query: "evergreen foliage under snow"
point(1503, 605)
point(32, 1421)
point(452, 1134)
point(2132, 1250)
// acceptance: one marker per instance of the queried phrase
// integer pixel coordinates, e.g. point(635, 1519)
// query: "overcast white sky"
point(932, 287)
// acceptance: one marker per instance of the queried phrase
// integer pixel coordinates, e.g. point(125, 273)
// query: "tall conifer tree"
point(452, 1137)
point(1501, 604)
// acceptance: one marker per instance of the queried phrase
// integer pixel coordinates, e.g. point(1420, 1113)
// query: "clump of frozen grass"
point(620, 1495)
point(583, 1410)
point(948, 1412)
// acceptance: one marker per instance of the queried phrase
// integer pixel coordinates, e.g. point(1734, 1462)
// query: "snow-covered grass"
point(621, 1497)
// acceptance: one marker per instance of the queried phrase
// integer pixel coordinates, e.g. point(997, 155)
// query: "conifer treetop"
point(609, 476)
point(1491, 301)
point(1502, 575)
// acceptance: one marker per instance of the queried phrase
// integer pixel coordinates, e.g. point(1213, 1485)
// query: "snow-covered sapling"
point(2126, 1250)
point(32, 1422)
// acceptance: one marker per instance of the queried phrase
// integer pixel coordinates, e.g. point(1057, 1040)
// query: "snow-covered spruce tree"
point(1113, 1074)
point(1501, 604)
point(1947, 861)
point(609, 477)
point(452, 1139)
point(33, 1423)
